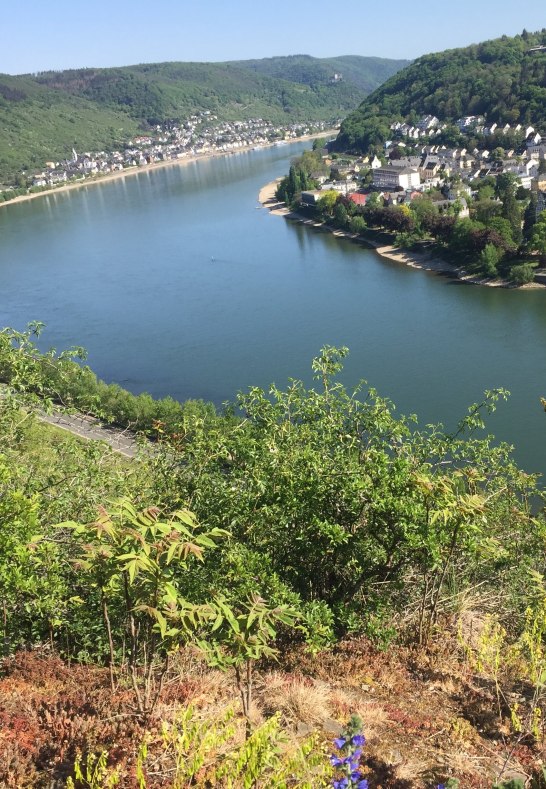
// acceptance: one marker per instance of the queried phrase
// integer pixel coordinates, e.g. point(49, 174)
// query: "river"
point(178, 284)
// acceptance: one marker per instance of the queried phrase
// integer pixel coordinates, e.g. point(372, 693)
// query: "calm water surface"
point(177, 285)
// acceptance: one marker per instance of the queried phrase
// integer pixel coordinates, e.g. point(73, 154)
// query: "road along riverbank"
point(122, 441)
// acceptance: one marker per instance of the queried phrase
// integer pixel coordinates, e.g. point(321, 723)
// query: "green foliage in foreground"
point(358, 511)
point(209, 752)
point(335, 508)
point(138, 563)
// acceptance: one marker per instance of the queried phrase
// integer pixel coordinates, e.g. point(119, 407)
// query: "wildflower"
point(347, 761)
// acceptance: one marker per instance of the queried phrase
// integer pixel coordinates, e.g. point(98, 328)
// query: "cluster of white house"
point(432, 165)
point(199, 135)
point(431, 126)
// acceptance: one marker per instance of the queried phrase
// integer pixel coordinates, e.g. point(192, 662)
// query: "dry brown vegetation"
point(427, 715)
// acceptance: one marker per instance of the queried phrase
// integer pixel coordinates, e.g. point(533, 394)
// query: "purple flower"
point(347, 763)
point(353, 759)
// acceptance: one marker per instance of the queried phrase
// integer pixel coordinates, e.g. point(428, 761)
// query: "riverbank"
point(418, 260)
point(267, 198)
point(427, 262)
point(146, 168)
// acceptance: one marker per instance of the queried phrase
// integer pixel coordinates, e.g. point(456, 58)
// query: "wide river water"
point(177, 284)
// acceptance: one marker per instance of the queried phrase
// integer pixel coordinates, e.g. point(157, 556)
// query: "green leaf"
point(202, 539)
point(171, 592)
point(131, 568)
point(162, 623)
point(187, 517)
point(217, 623)
point(171, 552)
point(229, 615)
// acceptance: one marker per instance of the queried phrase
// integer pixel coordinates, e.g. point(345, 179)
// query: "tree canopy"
point(500, 79)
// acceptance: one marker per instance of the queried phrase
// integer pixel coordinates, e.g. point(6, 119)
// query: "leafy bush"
point(336, 508)
point(522, 274)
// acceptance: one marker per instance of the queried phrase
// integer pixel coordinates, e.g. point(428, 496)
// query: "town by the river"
point(178, 283)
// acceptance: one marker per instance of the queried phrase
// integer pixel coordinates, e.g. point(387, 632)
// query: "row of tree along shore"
point(501, 238)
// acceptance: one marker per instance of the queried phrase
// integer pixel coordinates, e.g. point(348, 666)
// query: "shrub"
point(522, 274)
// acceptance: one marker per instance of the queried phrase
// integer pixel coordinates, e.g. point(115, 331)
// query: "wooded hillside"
point(43, 116)
point(502, 79)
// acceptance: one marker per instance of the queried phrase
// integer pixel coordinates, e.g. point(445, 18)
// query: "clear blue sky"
point(37, 35)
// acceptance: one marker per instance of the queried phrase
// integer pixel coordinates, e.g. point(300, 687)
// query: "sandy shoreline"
point(417, 260)
point(425, 262)
point(146, 168)
point(266, 195)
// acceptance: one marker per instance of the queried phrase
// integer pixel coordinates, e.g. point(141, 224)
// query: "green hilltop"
point(43, 116)
point(363, 73)
point(503, 79)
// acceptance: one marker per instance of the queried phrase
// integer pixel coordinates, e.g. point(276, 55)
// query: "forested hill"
point(43, 116)
point(503, 79)
point(363, 73)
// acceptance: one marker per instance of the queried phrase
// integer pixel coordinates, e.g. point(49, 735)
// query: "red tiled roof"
point(358, 198)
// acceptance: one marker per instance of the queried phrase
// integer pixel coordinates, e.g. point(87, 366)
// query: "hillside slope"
point(45, 115)
point(349, 560)
point(503, 79)
point(364, 73)
point(39, 123)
